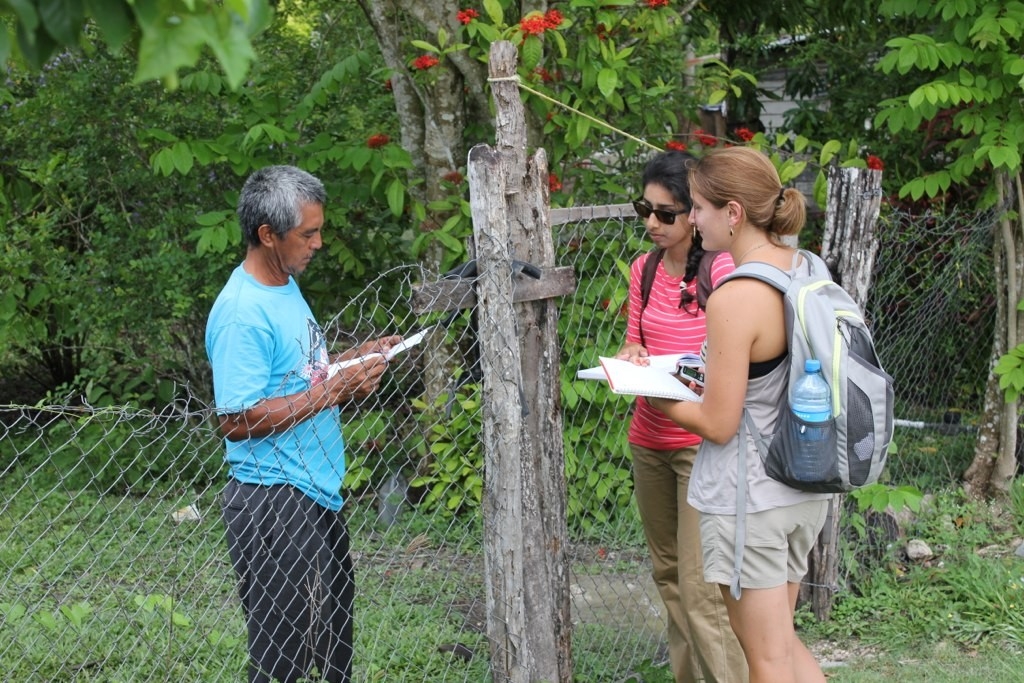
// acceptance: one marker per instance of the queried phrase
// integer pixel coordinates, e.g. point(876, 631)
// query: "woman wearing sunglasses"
point(666, 316)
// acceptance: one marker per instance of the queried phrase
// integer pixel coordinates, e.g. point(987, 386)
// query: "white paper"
point(667, 361)
point(404, 345)
point(408, 343)
point(652, 380)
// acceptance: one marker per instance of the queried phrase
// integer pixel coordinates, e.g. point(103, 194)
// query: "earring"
point(730, 231)
point(693, 234)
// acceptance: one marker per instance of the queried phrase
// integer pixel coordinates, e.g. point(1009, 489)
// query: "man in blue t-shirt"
point(277, 404)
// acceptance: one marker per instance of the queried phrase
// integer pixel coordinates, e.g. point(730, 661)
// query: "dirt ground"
point(631, 601)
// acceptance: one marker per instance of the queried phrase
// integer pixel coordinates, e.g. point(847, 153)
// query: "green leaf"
point(12, 612)
point(182, 155)
point(46, 619)
point(424, 45)
point(1007, 157)
point(449, 241)
point(396, 197)
point(494, 12)
point(233, 50)
point(26, 13)
point(791, 170)
point(213, 217)
point(37, 294)
point(820, 189)
point(166, 47)
point(114, 19)
point(358, 157)
point(717, 96)
point(163, 162)
point(1007, 364)
point(5, 45)
point(828, 150)
point(530, 53)
point(63, 19)
point(36, 45)
point(607, 81)
point(563, 49)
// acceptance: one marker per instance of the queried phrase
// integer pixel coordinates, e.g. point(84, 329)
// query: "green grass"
point(943, 662)
point(98, 588)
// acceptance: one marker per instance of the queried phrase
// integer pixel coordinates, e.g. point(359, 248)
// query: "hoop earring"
point(730, 231)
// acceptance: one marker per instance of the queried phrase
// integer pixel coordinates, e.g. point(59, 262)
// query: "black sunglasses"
point(644, 210)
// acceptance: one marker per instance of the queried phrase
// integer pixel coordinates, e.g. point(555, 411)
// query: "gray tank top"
point(713, 484)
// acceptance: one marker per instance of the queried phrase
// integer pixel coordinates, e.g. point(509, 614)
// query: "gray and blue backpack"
point(824, 322)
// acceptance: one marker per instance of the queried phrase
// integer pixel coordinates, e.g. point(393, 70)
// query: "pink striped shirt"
point(667, 329)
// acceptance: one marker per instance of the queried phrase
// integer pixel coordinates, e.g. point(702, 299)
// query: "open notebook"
point(657, 379)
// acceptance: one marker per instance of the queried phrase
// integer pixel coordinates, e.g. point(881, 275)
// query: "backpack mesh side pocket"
point(807, 465)
point(868, 430)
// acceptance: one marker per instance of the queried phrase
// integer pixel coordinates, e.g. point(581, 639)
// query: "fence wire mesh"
point(113, 563)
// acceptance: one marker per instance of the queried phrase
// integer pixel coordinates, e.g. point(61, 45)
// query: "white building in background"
point(772, 76)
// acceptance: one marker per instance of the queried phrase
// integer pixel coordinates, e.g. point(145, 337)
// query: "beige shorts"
point(778, 542)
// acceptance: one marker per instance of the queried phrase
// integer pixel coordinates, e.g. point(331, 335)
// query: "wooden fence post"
point(849, 248)
point(525, 534)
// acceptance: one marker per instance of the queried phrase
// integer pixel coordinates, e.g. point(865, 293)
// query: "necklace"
point(739, 261)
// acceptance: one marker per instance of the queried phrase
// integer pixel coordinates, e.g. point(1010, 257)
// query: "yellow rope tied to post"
point(599, 122)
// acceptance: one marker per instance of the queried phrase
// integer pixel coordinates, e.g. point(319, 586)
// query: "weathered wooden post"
point(849, 248)
point(528, 621)
point(849, 245)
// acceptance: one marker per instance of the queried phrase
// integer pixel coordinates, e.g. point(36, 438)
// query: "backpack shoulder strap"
point(648, 274)
point(704, 284)
point(777, 278)
point(816, 265)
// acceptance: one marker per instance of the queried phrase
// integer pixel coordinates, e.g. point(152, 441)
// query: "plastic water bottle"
point(811, 400)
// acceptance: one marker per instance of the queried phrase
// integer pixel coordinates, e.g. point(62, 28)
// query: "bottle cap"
point(812, 365)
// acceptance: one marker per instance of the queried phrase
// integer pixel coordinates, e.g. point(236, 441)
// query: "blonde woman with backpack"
point(668, 288)
point(756, 533)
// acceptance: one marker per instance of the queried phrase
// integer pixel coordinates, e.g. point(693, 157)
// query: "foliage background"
point(117, 205)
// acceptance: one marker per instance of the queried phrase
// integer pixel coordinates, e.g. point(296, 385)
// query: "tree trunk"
point(431, 111)
point(995, 451)
point(849, 248)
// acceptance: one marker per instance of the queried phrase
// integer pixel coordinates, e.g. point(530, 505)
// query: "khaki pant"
point(701, 643)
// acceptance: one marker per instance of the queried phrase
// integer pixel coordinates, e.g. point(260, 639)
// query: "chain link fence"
point(113, 564)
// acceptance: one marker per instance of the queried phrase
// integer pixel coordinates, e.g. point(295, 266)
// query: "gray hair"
point(274, 196)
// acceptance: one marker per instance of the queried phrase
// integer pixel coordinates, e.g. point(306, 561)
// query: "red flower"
point(424, 62)
point(466, 15)
point(874, 163)
point(676, 145)
point(553, 19)
point(545, 75)
point(705, 139)
point(744, 134)
point(377, 141)
point(655, 4)
point(554, 184)
point(453, 177)
point(533, 24)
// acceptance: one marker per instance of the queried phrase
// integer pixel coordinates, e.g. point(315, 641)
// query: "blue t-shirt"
point(263, 343)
